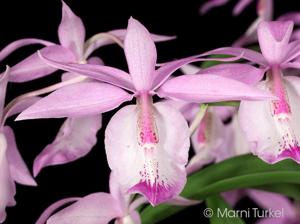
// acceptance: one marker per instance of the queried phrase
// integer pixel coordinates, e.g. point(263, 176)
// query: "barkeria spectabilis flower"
point(76, 136)
point(276, 122)
point(12, 167)
point(146, 144)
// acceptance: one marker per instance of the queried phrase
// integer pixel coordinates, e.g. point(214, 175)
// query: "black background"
point(40, 19)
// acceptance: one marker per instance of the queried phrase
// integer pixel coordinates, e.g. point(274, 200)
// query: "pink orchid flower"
point(77, 136)
point(12, 167)
point(146, 144)
point(276, 135)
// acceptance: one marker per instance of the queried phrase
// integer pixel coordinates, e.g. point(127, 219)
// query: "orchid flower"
point(12, 167)
point(276, 135)
point(146, 144)
point(77, 136)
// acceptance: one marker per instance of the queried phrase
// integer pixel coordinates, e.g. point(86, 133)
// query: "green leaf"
point(216, 206)
point(244, 171)
point(226, 103)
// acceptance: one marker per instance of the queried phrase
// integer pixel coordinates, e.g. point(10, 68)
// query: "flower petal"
point(208, 5)
point(99, 72)
point(240, 6)
point(71, 32)
point(120, 34)
point(8, 189)
point(241, 72)
point(273, 38)
point(141, 55)
point(80, 99)
point(190, 69)
point(3, 85)
point(97, 208)
point(273, 137)
point(75, 139)
point(33, 67)
point(21, 43)
point(45, 215)
point(158, 174)
point(209, 88)
point(248, 54)
point(18, 169)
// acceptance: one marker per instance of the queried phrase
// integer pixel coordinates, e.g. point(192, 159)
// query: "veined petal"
point(273, 38)
point(18, 169)
point(209, 88)
point(241, 72)
point(208, 5)
point(8, 189)
point(150, 151)
point(33, 67)
point(99, 72)
point(272, 127)
point(80, 99)
point(47, 213)
point(141, 55)
point(120, 34)
point(97, 208)
point(247, 54)
point(75, 139)
point(71, 32)
point(21, 43)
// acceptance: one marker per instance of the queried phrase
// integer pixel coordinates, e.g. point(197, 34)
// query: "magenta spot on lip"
point(292, 152)
point(156, 193)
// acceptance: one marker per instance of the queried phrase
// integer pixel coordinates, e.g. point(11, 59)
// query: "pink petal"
point(99, 72)
point(3, 85)
point(75, 139)
point(188, 110)
point(273, 38)
point(20, 106)
point(248, 54)
point(207, 141)
point(33, 67)
point(240, 6)
point(8, 189)
point(265, 9)
point(80, 99)
point(21, 43)
point(71, 32)
point(211, 4)
point(45, 215)
point(158, 174)
point(97, 208)
point(241, 72)
point(141, 55)
point(209, 88)
point(18, 169)
point(120, 34)
point(273, 201)
point(273, 136)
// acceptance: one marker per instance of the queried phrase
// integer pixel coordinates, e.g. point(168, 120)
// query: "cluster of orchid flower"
point(147, 144)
